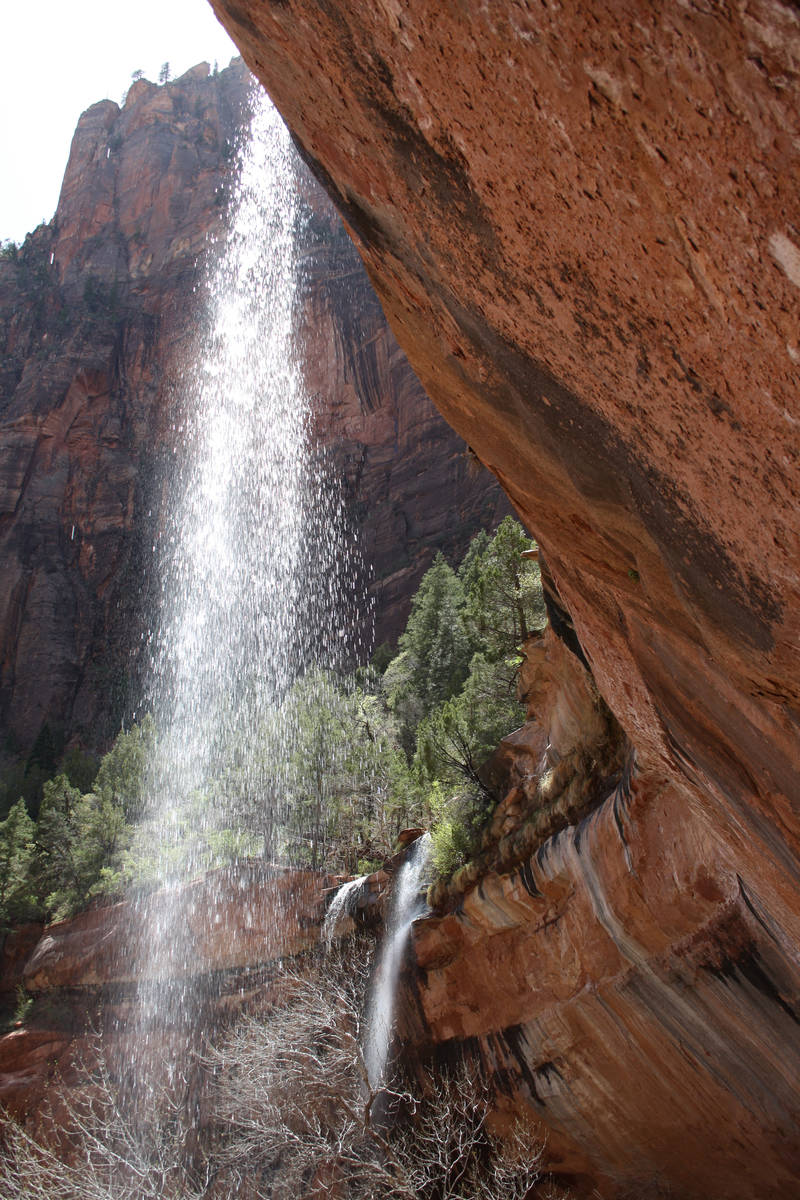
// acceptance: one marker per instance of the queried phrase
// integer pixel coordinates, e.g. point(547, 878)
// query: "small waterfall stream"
point(337, 910)
point(406, 905)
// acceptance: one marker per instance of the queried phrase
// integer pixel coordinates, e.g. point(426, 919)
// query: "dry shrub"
point(291, 1117)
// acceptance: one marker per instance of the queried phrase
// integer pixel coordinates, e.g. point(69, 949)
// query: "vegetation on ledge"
point(401, 742)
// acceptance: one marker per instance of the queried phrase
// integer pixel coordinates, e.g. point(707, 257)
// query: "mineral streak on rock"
point(413, 488)
point(98, 314)
point(584, 228)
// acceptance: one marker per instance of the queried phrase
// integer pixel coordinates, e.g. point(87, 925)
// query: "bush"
point(289, 1113)
point(295, 1101)
point(454, 820)
point(122, 773)
point(77, 837)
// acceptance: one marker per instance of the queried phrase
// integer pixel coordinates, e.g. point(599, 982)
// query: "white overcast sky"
point(59, 56)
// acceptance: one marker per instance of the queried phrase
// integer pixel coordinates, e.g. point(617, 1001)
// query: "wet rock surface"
point(80, 976)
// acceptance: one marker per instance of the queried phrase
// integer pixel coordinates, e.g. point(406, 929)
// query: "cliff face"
point(98, 312)
point(410, 482)
point(94, 313)
point(583, 227)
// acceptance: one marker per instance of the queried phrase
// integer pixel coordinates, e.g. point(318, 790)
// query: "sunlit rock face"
point(95, 313)
point(98, 317)
point(584, 228)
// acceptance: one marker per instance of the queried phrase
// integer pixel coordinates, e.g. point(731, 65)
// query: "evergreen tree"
point(503, 591)
point(434, 651)
point(350, 786)
point(121, 776)
point(17, 899)
point(76, 838)
point(456, 739)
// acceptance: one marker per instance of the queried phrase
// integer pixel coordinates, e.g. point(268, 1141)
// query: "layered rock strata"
point(99, 313)
point(583, 227)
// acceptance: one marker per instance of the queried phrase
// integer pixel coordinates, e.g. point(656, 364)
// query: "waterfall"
point(406, 905)
point(256, 562)
point(337, 909)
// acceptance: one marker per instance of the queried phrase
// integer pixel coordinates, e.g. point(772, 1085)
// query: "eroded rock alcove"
point(583, 226)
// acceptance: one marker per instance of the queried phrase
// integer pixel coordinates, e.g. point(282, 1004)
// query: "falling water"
point(337, 909)
point(257, 561)
point(406, 906)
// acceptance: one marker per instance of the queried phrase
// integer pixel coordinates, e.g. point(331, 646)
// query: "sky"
point(57, 57)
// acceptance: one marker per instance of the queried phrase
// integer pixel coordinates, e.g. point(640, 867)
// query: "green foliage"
point(435, 640)
point(77, 847)
point(349, 786)
point(76, 837)
point(503, 591)
point(121, 776)
point(500, 603)
point(455, 740)
point(82, 836)
point(454, 818)
point(26, 779)
point(17, 900)
point(434, 652)
point(345, 763)
point(406, 738)
point(56, 846)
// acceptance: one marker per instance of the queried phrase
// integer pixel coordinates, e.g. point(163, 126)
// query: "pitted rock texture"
point(573, 223)
point(584, 228)
point(98, 318)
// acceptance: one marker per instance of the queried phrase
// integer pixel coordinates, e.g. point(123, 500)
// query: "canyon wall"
point(99, 311)
point(584, 228)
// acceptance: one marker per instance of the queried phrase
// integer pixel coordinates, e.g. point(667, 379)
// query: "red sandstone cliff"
point(97, 316)
point(583, 225)
point(80, 974)
point(94, 312)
